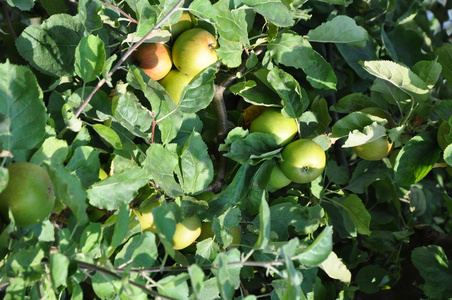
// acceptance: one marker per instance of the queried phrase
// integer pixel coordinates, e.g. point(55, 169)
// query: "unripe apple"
point(186, 232)
point(174, 82)
point(277, 179)
point(194, 50)
point(154, 59)
point(302, 161)
point(381, 147)
point(29, 194)
point(274, 122)
point(145, 216)
point(207, 232)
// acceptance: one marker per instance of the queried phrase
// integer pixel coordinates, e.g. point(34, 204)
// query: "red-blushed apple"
point(274, 122)
point(174, 82)
point(303, 161)
point(194, 50)
point(154, 59)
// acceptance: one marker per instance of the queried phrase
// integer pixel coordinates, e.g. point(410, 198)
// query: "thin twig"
point(120, 11)
point(8, 20)
point(126, 55)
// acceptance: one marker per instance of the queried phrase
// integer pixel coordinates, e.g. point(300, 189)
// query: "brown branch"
point(8, 20)
point(126, 55)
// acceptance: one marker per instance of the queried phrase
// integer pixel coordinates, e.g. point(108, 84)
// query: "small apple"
point(273, 121)
point(154, 59)
point(207, 232)
point(194, 50)
point(174, 82)
point(277, 179)
point(145, 216)
point(28, 193)
point(302, 161)
point(381, 147)
point(186, 232)
point(443, 131)
point(185, 22)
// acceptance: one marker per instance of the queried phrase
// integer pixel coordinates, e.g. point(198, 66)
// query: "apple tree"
point(168, 188)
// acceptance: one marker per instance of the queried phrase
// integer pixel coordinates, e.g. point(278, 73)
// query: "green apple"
point(194, 50)
point(174, 82)
point(207, 232)
point(381, 147)
point(28, 193)
point(273, 121)
point(302, 161)
point(185, 22)
point(443, 131)
point(277, 179)
point(186, 232)
point(145, 216)
point(154, 59)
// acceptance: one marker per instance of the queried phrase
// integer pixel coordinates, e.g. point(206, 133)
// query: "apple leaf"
point(22, 4)
point(117, 189)
point(253, 199)
point(230, 53)
point(355, 121)
point(161, 163)
point(369, 134)
point(447, 155)
point(89, 14)
point(108, 135)
point(228, 275)
point(50, 47)
point(428, 71)
point(353, 55)
point(352, 102)
point(335, 268)
point(342, 30)
point(89, 58)
point(59, 267)
point(319, 250)
point(54, 7)
point(293, 50)
point(139, 252)
point(85, 163)
point(445, 60)
point(52, 150)
point(275, 11)
point(366, 173)
point(255, 92)
point(22, 107)
point(416, 158)
point(146, 16)
point(358, 213)
point(389, 92)
point(195, 165)
point(400, 76)
point(231, 23)
point(264, 223)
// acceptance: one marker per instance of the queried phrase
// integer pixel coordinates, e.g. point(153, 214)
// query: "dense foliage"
point(72, 102)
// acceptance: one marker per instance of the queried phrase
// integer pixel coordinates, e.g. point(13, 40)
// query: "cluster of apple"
point(192, 51)
point(186, 232)
point(303, 160)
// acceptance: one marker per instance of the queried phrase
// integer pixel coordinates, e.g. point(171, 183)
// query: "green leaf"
point(293, 50)
point(445, 59)
point(22, 4)
point(196, 277)
point(174, 286)
point(275, 11)
point(354, 122)
point(89, 58)
point(54, 7)
point(434, 267)
point(319, 250)
point(447, 155)
point(231, 23)
point(294, 98)
point(161, 163)
point(196, 165)
point(264, 224)
point(230, 53)
point(121, 225)
point(52, 150)
point(335, 268)
point(254, 148)
point(50, 47)
point(108, 135)
point(293, 277)
point(69, 189)
point(428, 71)
point(369, 278)
point(85, 163)
point(228, 275)
point(358, 213)
point(400, 76)
point(369, 134)
point(342, 30)
point(59, 265)
point(16, 289)
point(139, 252)
point(255, 92)
point(416, 158)
point(91, 237)
point(199, 93)
point(89, 14)
point(23, 106)
point(366, 173)
point(117, 189)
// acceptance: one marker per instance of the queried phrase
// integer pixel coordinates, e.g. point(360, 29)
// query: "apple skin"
point(381, 147)
point(277, 179)
point(145, 216)
point(154, 59)
point(443, 130)
point(29, 194)
point(274, 122)
point(186, 232)
point(303, 161)
point(194, 50)
point(174, 82)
